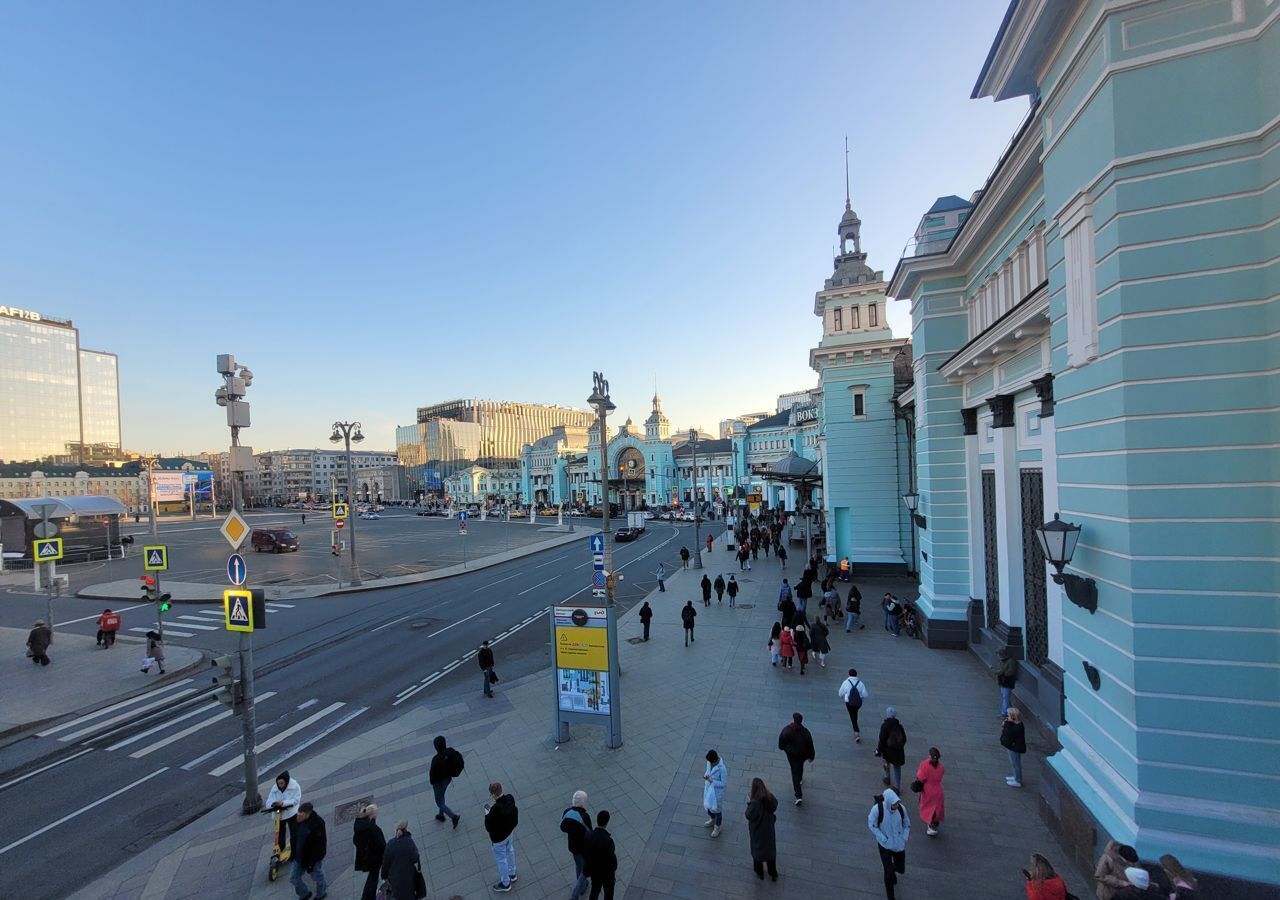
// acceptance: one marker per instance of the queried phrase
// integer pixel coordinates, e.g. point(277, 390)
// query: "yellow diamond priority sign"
point(46, 549)
point(237, 605)
point(235, 529)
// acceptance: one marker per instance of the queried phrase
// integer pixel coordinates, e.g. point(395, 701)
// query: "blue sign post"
point(237, 571)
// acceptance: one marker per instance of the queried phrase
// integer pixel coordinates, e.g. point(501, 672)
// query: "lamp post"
point(697, 507)
point(350, 431)
point(600, 402)
point(151, 492)
point(1058, 541)
point(912, 502)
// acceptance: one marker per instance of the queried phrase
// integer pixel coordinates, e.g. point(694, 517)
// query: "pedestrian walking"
point(687, 615)
point(309, 853)
point(786, 605)
point(891, 609)
point(684, 557)
point(304, 518)
point(714, 781)
point(485, 659)
point(575, 822)
point(853, 691)
point(764, 543)
point(719, 586)
point(787, 647)
point(646, 616)
point(892, 747)
point(1013, 738)
point(762, 816)
point(1109, 875)
point(889, 822)
point(371, 846)
point(819, 641)
point(1042, 882)
point(797, 743)
point(708, 543)
point(38, 641)
point(706, 590)
point(844, 569)
point(853, 610)
point(732, 590)
point(602, 858)
point(928, 785)
point(1006, 677)
point(801, 638)
point(155, 652)
point(662, 578)
point(743, 556)
point(446, 765)
point(782, 556)
point(775, 644)
point(402, 865)
point(500, 820)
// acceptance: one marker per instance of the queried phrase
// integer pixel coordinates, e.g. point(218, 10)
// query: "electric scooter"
point(279, 853)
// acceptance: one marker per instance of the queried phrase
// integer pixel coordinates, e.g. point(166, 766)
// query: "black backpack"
point(456, 763)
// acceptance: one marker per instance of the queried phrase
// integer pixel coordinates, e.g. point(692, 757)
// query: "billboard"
point(582, 658)
point(170, 487)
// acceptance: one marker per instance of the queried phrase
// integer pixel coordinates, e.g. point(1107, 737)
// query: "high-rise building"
point(58, 402)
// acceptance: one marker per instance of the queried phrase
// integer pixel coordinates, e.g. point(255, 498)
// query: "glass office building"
point(54, 398)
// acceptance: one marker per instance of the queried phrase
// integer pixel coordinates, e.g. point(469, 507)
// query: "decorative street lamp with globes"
point(350, 431)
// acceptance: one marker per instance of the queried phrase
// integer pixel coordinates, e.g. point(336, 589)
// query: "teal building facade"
point(1100, 340)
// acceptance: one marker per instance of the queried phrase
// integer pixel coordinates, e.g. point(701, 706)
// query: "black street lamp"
point(912, 500)
point(1058, 541)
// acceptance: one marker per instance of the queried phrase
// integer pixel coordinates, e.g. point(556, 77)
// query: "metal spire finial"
point(847, 204)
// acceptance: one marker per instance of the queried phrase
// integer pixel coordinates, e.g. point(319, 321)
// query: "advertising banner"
point(582, 638)
point(170, 487)
point(583, 691)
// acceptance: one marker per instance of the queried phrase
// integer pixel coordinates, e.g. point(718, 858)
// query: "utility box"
point(237, 414)
point(241, 459)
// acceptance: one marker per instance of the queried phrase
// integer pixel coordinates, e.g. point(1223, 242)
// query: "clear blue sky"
point(380, 206)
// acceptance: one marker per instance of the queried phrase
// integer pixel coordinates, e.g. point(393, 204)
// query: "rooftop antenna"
point(847, 205)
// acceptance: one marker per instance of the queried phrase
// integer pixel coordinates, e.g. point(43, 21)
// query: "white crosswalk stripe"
point(113, 708)
point(270, 742)
point(168, 632)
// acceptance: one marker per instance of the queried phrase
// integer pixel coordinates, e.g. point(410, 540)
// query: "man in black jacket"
point(602, 860)
point(576, 824)
point(485, 659)
point(445, 766)
point(797, 743)
point(500, 821)
point(308, 854)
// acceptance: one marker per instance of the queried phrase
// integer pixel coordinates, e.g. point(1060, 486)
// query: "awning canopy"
point(794, 469)
point(63, 507)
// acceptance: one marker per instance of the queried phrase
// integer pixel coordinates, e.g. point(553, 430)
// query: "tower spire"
point(847, 205)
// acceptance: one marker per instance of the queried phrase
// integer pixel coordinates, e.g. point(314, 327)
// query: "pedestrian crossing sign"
point(244, 609)
point(46, 549)
point(339, 510)
point(155, 558)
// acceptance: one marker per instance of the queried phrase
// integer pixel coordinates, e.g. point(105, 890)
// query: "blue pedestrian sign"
point(237, 571)
point(597, 543)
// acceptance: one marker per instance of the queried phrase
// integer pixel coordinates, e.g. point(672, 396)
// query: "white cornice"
point(1011, 334)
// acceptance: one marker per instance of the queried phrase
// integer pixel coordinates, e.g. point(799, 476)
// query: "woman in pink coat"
point(788, 647)
point(929, 779)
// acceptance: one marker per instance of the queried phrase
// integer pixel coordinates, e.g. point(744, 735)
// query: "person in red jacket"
point(108, 625)
point(1042, 882)
point(787, 647)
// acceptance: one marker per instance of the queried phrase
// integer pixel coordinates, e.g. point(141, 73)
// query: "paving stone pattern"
point(720, 692)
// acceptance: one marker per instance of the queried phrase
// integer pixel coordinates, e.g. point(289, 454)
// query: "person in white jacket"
point(891, 825)
point(853, 691)
point(714, 781)
point(286, 796)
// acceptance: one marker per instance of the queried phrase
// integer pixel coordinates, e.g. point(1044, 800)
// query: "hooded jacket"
point(291, 796)
point(796, 742)
point(891, 827)
point(370, 844)
point(501, 819)
point(441, 771)
point(687, 615)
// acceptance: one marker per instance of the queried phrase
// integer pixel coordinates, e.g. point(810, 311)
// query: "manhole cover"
point(635, 640)
point(746, 606)
point(349, 812)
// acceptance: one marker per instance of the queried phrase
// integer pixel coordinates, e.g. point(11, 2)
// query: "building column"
point(1049, 466)
point(973, 487)
point(1008, 514)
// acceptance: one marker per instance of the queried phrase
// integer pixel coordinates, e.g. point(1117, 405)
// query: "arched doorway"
point(629, 479)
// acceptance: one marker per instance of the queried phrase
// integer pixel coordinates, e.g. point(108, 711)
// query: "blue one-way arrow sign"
point(597, 543)
point(237, 571)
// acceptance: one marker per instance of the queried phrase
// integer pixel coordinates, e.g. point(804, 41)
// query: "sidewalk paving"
point(80, 676)
point(677, 702)
point(198, 592)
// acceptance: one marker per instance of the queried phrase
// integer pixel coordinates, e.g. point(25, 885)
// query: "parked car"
point(277, 540)
point(519, 514)
point(370, 515)
point(622, 535)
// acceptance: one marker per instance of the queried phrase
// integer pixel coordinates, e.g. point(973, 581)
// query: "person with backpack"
point(891, 748)
point(732, 590)
point(928, 785)
point(719, 586)
point(687, 615)
point(108, 625)
point(819, 641)
point(853, 691)
point(889, 822)
point(575, 822)
point(446, 765)
point(853, 610)
point(370, 844)
point(775, 644)
point(646, 616)
point(797, 743)
point(1013, 738)
point(706, 590)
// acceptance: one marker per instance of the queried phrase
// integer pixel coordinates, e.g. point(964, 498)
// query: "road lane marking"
point(499, 581)
point(538, 585)
point(308, 704)
point(201, 627)
point(110, 709)
point(198, 711)
point(273, 604)
point(170, 633)
point(44, 769)
point(186, 732)
point(460, 621)
point(392, 622)
point(90, 618)
point(550, 561)
point(84, 809)
point(294, 751)
point(271, 742)
point(97, 726)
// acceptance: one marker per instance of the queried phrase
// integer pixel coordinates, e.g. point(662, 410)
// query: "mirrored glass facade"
point(39, 390)
point(100, 400)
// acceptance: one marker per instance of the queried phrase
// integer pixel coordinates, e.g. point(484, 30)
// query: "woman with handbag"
point(402, 866)
point(928, 785)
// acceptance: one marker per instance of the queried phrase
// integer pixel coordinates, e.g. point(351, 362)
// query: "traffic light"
point(225, 680)
point(148, 587)
point(165, 605)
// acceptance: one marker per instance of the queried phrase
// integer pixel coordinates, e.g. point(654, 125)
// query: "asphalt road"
point(98, 789)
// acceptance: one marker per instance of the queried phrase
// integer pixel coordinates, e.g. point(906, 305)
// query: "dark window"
point(859, 405)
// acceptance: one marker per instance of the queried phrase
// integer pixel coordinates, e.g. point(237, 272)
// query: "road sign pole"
point(159, 611)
